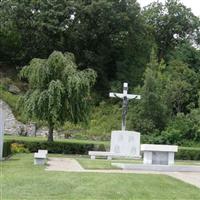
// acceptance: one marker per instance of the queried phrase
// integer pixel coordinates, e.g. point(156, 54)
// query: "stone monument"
point(123, 143)
point(1, 133)
point(126, 143)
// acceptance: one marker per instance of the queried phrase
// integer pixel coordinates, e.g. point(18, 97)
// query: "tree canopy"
point(108, 36)
point(58, 91)
point(171, 23)
point(116, 40)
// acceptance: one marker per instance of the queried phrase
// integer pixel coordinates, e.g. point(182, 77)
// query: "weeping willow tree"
point(58, 91)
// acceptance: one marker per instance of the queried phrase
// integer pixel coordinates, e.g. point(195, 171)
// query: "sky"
point(193, 4)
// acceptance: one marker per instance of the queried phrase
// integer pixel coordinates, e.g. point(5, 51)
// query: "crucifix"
point(1, 132)
point(126, 97)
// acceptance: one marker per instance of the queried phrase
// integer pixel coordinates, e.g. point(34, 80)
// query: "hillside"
point(71, 58)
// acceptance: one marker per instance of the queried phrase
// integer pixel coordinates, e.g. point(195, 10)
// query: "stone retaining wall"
point(13, 127)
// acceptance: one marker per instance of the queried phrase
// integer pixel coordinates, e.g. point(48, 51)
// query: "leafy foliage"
point(58, 91)
point(171, 23)
point(169, 92)
point(114, 38)
point(107, 36)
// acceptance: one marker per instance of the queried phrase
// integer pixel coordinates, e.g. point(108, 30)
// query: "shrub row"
point(188, 153)
point(6, 148)
point(60, 147)
point(184, 153)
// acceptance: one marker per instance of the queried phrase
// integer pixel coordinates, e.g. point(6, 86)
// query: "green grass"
point(188, 162)
point(22, 180)
point(12, 100)
point(103, 163)
point(37, 139)
point(107, 164)
point(190, 148)
point(87, 163)
point(9, 98)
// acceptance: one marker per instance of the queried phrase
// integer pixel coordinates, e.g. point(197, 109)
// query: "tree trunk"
point(50, 135)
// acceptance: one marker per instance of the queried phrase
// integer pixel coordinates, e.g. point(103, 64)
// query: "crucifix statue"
point(126, 97)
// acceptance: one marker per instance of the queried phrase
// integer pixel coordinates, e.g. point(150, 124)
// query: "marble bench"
point(43, 152)
point(40, 157)
point(109, 155)
point(158, 154)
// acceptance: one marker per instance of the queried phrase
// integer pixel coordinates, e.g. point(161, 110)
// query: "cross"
point(125, 96)
point(1, 132)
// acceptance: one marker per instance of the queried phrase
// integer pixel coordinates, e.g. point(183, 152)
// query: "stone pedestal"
point(39, 161)
point(39, 158)
point(123, 144)
point(158, 154)
point(126, 143)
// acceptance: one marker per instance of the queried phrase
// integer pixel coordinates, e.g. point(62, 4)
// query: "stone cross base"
point(126, 143)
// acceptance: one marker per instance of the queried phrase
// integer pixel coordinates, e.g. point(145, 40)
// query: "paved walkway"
point(63, 164)
point(71, 165)
point(188, 177)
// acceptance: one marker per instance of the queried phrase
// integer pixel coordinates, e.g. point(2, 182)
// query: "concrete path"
point(188, 177)
point(63, 164)
point(71, 165)
point(160, 168)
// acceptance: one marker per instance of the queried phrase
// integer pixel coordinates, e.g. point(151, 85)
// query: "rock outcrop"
point(13, 127)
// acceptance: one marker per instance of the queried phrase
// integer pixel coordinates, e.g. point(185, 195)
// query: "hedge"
point(6, 148)
point(60, 147)
point(65, 147)
point(188, 153)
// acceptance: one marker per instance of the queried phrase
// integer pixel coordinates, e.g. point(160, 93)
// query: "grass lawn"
point(22, 180)
point(38, 139)
point(87, 163)
point(100, 163)
point(106, 164)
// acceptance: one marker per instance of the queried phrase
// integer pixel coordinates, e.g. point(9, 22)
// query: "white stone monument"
point(1, 132)
point(126, 143)
point(123, 143)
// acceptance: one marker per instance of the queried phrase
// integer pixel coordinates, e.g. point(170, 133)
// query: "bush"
point(188, 153)
point(101, 147)
point(7, 149)
point(18, 148)
point(60, 147)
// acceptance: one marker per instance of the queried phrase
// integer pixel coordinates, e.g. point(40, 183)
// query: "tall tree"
point(58, 91)
point(108, 36)
point(151, 112)
point(182, 86)
point(187, 53)
point(168, 90)
point(171, 23)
